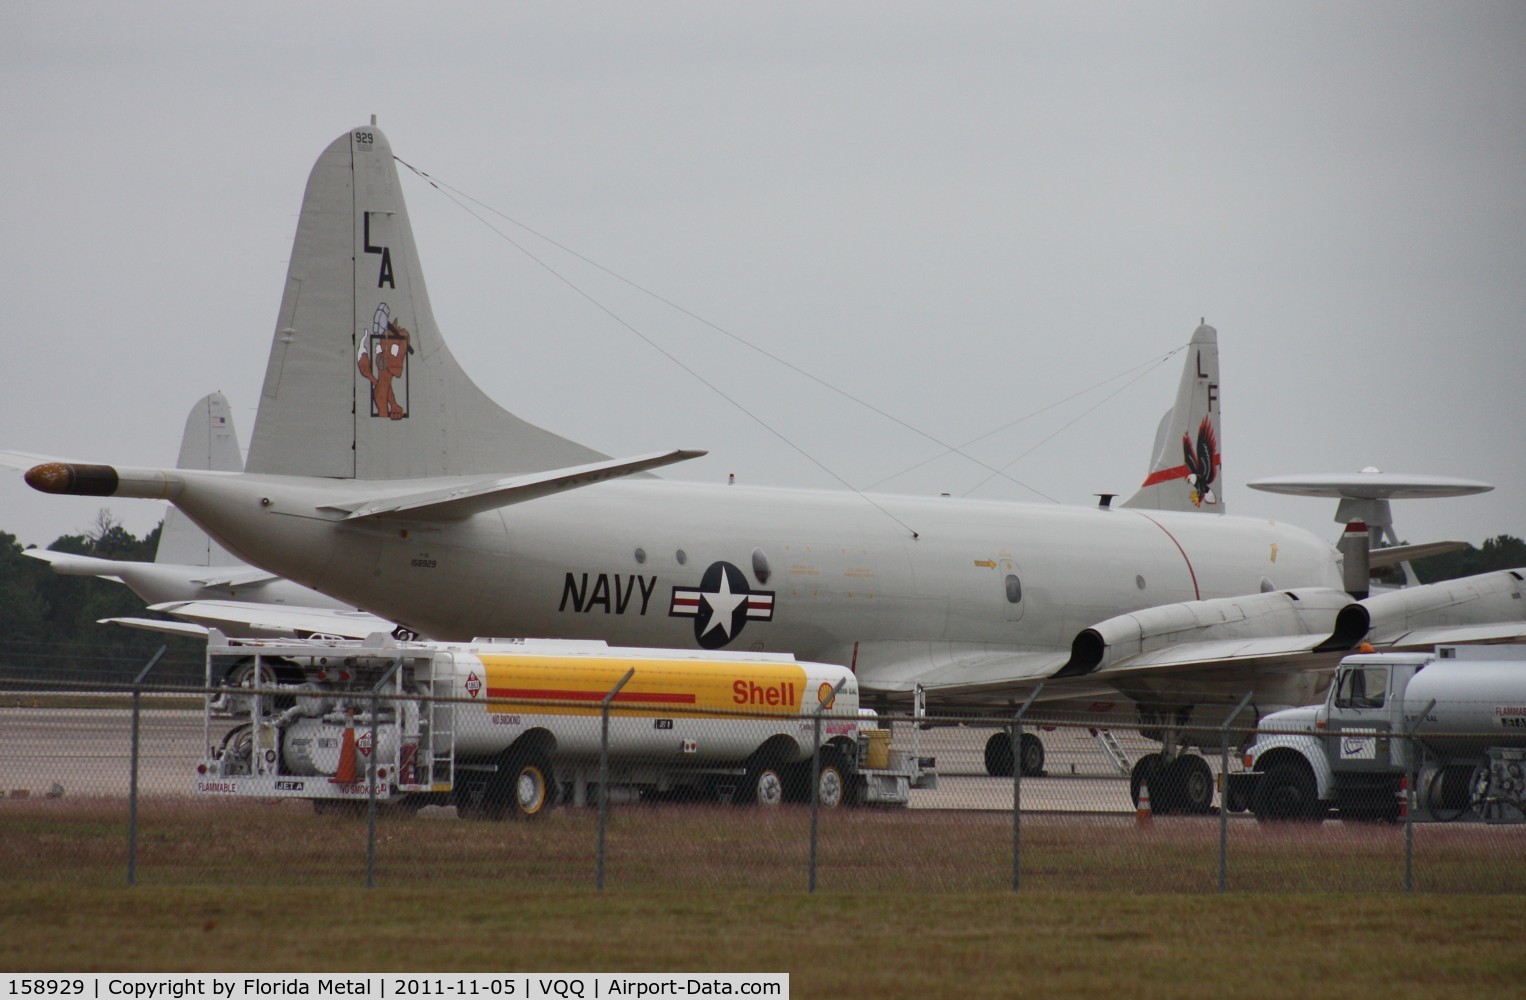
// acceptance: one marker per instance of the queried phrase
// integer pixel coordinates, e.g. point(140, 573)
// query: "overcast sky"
point(961, 214)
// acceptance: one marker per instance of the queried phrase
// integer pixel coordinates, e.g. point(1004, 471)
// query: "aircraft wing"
point(242, 618)
point(186, 629)
point(473, 498)
point(1213, 650)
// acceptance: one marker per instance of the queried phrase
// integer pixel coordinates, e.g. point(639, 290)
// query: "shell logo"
point(825, 695)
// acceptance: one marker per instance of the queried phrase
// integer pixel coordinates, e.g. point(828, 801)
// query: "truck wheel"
point(1032, 756)
point(1190, 783)
point(533, 786)
point(764, 785)
point(999, 755)
point(1286, 793)
point(832, 784)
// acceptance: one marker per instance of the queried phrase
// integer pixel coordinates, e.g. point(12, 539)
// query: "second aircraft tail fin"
point(209, 442)
point(1185, 473)
point(360, 384)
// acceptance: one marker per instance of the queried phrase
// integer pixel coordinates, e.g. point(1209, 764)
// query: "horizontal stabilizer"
point(71, 564)
point(473, 498)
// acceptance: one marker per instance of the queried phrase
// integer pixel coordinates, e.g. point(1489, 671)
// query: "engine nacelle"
point(1309, 612)
point(1484, 599)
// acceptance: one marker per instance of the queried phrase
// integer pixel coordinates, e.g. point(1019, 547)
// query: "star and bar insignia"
point(721, 605)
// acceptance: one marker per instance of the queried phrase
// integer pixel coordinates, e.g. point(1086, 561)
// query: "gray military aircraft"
point(380, 474)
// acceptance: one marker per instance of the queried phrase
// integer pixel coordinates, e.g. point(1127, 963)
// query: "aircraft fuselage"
point(825, 575)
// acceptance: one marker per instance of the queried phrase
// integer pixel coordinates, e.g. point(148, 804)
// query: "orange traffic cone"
point(346, 772)
point(1142, 816)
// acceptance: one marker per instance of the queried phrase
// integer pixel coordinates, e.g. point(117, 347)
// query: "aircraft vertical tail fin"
point(360, 384)
point(1185, 472)
point(209, 442)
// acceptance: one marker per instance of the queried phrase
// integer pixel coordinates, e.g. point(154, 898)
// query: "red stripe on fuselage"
point(1196, 594)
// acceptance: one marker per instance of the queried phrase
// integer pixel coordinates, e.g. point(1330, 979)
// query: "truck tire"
point(832, 783)
point(763, 786)
point(533, 786)
point(1286, 793)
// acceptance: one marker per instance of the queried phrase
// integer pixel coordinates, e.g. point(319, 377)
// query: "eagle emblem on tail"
point(1202, 464)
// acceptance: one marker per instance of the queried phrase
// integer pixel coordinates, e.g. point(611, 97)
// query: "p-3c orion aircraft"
point(380, 474)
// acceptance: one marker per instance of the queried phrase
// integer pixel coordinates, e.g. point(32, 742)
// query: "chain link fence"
point(105, 782)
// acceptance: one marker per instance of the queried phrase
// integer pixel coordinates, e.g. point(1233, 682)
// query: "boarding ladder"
point(442, 742)
point(1109, 744)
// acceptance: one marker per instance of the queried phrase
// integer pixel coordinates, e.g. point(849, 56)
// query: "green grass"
point(908, 903)
point(838, 944)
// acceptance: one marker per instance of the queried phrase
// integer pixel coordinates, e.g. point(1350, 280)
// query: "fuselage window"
point(1014, 588)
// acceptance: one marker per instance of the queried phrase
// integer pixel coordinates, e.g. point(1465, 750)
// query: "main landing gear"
point(999, 760)
point(1182, 785)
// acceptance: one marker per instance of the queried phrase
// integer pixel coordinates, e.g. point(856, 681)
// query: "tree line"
point(49, 623)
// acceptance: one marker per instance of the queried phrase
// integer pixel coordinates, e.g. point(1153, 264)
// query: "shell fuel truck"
point(511, 727)
point(1453, 721)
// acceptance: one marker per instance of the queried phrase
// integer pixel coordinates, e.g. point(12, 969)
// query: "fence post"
point(604, 774)
point(371, 779)
point(132, 780)
point(1224, 793)
point(1409, 797)
point(816, 777)
point(1017, 787)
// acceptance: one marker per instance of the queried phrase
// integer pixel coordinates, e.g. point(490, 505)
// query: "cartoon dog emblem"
point(1202, 464)
point(383, 360)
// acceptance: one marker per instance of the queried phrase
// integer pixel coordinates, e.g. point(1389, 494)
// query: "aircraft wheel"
point(1286, 793)
point(1190, 781)
point(1032, 756)
point(999, 755)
